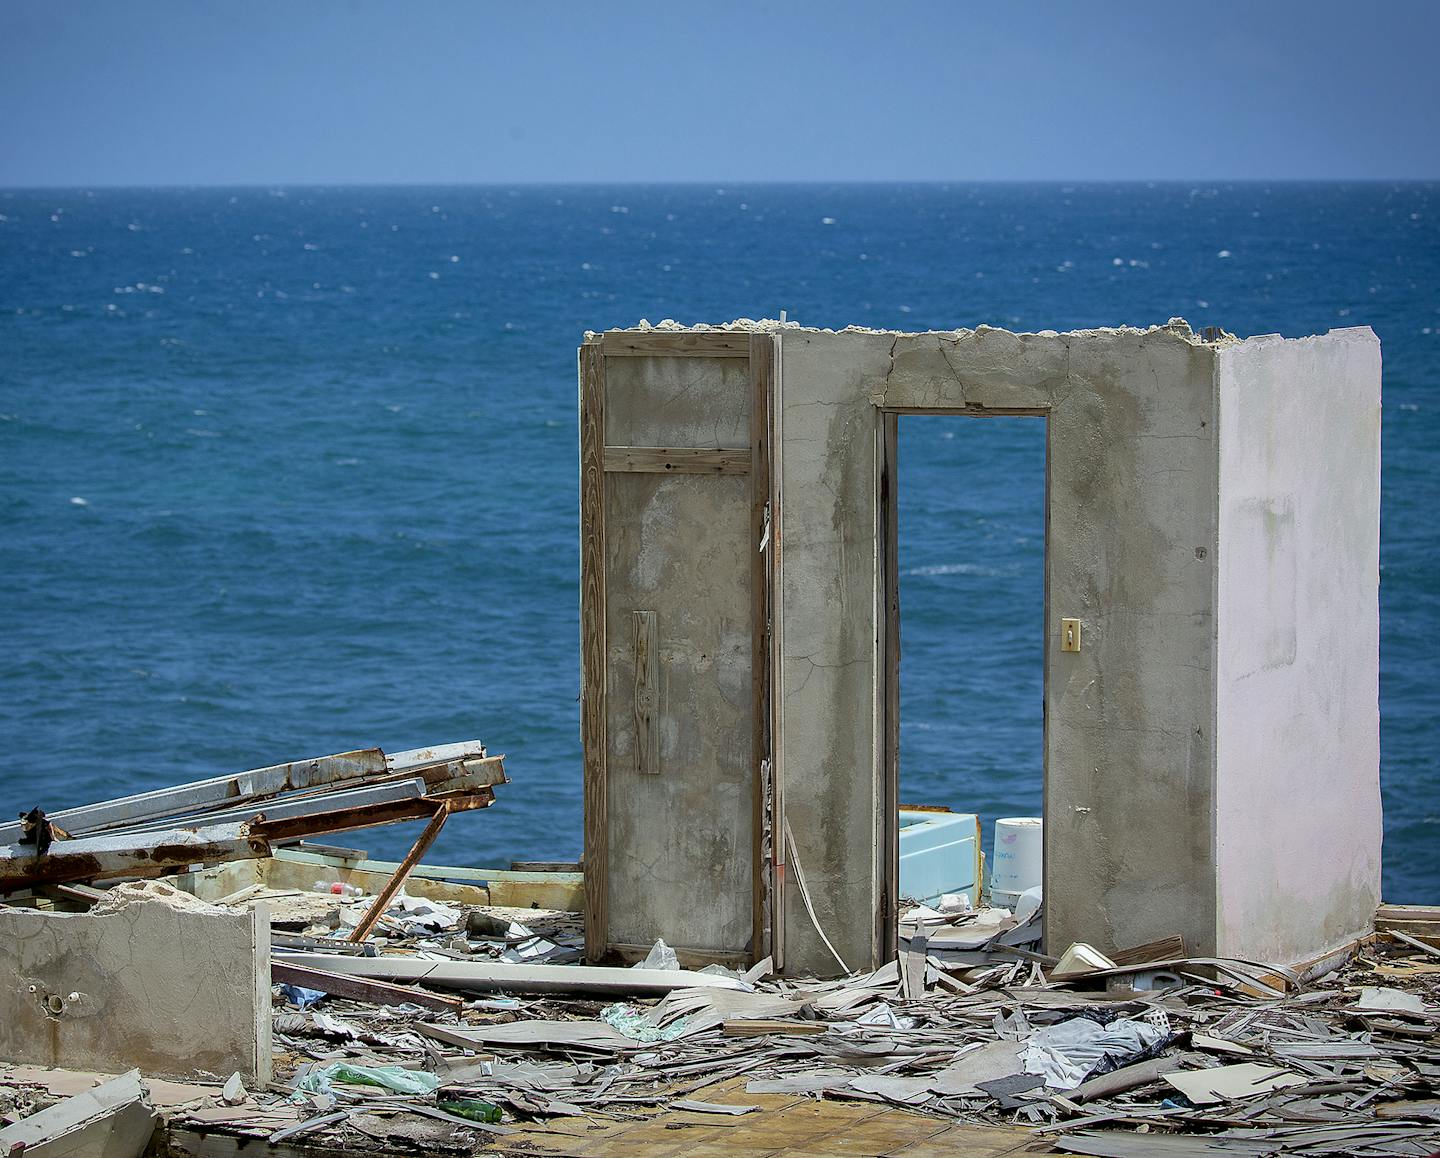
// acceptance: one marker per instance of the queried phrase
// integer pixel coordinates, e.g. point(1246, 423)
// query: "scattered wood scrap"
point(1226, 1056)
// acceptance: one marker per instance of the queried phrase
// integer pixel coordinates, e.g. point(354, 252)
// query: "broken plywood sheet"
point(1385, 999)
point(510, 978)
point(1225, 1083)
point(993, 1060)
point(564, 1035)
point(67, 1083)
point(157, 984)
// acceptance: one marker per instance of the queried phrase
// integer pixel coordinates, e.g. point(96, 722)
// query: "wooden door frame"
point(762, 352)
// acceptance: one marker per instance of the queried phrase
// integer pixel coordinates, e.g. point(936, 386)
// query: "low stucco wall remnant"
point(172, 987)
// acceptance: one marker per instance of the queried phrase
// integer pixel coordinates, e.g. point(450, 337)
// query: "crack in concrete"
point(954, 373)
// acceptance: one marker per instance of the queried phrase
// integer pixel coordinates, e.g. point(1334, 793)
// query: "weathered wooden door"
point(675, 595)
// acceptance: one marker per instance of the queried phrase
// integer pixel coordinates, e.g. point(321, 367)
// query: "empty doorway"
point(964, 503)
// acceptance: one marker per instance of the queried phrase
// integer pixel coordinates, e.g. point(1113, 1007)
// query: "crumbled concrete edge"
point(1177, 327)
point(139, 892)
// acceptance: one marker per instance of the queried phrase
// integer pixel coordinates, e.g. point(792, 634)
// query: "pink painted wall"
point(1297, 824)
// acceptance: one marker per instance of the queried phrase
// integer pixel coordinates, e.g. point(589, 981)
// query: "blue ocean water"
point(291, 471)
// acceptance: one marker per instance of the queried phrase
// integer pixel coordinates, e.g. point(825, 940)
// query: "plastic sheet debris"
point(333, 1026)
point(415, 915)
point(427, 914)
point(397, 1078)
point(661, 956)
point(1028, 904)
point(635, 1024)
point(1384, 999)
point(721, 971)
point(1069, 1051)
point(299, 996)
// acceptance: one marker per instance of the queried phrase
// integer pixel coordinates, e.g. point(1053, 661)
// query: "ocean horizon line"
point(725, 185)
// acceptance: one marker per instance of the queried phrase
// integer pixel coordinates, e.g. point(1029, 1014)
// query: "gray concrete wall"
point(1211, 773)
point(680, 845)
point(1132, 537)
point(1297, 779)
point(172, 991)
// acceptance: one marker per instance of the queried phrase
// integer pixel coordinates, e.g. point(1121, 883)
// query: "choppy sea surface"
point(292, 471)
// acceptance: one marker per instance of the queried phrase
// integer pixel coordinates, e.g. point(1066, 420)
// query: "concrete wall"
point(1297, 765)
point(1212, 520)
point(1132, 537)
point(162, 987)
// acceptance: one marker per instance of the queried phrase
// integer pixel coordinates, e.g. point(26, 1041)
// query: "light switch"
point(1069, 635)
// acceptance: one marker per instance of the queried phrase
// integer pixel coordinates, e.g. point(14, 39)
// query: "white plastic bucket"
point(1019, 858)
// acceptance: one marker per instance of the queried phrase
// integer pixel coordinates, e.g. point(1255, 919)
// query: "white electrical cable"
point(805, 894)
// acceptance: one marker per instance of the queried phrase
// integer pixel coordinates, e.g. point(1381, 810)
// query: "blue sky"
point(146, 92)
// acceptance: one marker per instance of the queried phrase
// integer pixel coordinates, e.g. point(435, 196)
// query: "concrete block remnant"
point(155, 981)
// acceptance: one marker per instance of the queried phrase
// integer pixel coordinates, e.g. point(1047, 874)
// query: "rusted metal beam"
point(148, 853)
point(218, 792)
point(359, 988)
point(203, 801)
point(139, 854)
point(302, 804)
point(392, 886)
point(370, 816)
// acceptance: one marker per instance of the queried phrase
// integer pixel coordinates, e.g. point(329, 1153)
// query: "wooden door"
point(675, 601)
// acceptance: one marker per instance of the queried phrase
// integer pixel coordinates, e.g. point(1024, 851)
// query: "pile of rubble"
point(402, 1022)
point(1231, 1056)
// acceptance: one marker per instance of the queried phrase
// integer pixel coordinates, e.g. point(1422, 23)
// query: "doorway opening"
point(964, 503)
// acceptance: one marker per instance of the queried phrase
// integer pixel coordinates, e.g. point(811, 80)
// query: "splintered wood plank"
point(1419, 921)
point(397, 879)
point(1165, 949)
point(647, 692)
point(592, 635)
point(888, 933)
point(775, 668)
point(912, 972)
point(678, 459)
point(676, 344)
point(762, 354)
point(764, 1027)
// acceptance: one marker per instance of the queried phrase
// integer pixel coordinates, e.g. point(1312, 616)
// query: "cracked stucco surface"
point(176, 993)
